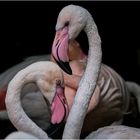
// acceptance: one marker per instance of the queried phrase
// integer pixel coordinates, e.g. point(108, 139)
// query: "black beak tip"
point(65, 67)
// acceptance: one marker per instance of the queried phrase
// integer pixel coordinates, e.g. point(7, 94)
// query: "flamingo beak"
point(60, 49)
point(59, 107)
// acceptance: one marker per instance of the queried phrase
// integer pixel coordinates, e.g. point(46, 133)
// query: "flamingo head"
point(52, 87)
point(71, 20)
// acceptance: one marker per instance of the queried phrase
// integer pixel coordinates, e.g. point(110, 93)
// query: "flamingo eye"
point(58, 82)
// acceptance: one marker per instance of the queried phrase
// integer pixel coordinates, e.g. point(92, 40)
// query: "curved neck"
point(15, 111)
point(87, 85)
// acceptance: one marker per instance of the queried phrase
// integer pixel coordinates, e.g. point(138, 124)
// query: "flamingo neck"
point(14, 108)
point(87, 84)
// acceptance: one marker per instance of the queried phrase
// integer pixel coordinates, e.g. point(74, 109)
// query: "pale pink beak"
point(60, 49)
point(59, 107)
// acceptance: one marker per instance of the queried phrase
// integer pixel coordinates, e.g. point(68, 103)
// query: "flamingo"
point(49, 78)
point(110, 100)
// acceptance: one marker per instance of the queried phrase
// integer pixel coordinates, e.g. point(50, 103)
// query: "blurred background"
point(28, 28)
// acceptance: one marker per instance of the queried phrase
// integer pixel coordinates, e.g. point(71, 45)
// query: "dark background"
point(28, 28)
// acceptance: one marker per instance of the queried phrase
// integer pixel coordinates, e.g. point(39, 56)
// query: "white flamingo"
point(49, 79)
point(111, 98)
